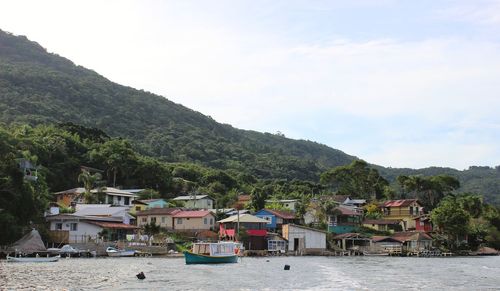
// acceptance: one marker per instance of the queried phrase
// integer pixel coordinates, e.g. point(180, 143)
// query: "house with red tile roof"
point(406, 210)
point(159, 216)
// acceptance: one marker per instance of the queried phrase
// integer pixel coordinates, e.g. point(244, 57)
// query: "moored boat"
point(212, 253)
point(113, 252)
point(33, 259)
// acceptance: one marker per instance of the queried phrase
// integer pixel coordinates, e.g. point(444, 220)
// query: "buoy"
point(141, 276)
point(287, 267)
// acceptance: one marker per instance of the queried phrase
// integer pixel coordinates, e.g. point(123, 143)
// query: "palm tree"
point(89, 181)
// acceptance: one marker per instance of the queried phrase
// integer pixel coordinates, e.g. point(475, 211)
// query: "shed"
point(301, 238)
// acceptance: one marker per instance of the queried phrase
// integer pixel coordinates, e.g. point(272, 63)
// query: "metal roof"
point(244, 218)
point(195, 197)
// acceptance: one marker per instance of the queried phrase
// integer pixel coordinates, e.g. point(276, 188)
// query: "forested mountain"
point(37, 87)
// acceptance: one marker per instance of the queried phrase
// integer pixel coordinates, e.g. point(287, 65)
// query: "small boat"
point(113, 252)
point(36, 259)
point(212, 253)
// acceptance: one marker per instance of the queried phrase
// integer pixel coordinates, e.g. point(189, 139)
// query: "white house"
point(118, 197)
point(70, 228)
point(196, 201)
point(304, 239)
point(105, 210)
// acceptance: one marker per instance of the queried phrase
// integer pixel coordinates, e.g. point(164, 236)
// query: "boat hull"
point(32, 259)
point(203, 259)
point(121, 254)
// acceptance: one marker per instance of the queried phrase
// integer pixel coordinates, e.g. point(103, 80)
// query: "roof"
point(134, 191)
point(114, 225)
point(280, 213)
point(340, 198)
point(384, 238)
point(147, 201)
point(195, 197)
point(399, 203)
point(115, 192)
point(346, 210)
point(29, 243)
point(78, 190)
point(410, 236)
point(305, 227)
point(101, 211)
point(356, 201)
point(282, 200)
point(192, 213)
point(159, 211)
point(381, 221)
point(77, 217)
point(244, 218)
point(350, 235)
point(244, 198)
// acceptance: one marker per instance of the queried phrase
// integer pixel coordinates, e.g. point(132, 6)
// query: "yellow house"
point(137, 205)
point(405, 210)
point(194, 220)
point(159, 216)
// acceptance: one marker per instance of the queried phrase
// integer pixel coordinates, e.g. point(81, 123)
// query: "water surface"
point(306, 273)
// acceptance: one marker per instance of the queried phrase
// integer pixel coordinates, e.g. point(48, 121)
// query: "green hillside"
point(37, 87)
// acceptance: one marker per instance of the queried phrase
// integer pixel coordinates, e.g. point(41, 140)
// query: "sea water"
point(306, 273)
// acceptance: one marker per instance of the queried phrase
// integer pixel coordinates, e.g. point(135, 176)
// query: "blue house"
point(276, 218)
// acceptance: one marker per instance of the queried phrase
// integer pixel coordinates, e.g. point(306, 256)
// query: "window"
point(145, 219)
point(153, 219)
point(137, 208)
point(211, 221)
point(73, 226)
point(163, 219)
point(127, 200)
point(58, 226)
point(179, 220)
point(119, 198)
point(205, 220)
point(411, 210)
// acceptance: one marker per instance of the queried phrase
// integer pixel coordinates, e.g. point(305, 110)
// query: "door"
point(295, 244)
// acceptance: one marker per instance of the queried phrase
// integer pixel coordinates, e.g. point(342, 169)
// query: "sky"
point(396, 83)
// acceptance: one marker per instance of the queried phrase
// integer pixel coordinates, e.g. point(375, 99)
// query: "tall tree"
point(89, 182)
point(429, 190)
point(356, 179)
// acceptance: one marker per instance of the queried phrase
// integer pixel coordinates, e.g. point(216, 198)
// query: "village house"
point(255, 228)
point(141, 205)
point(189, 220)
point(162, 217)
point(405, 210)
point(423, 223)
point(276, 218)
point(344, 219)
point(387, 244)
point(383, 224)
point(304, 240)
point(352, 242)
point(109, 196)
point(289, 204)
point(276, 244)
point(196, 201)
point(91, 223)
point(413, 241)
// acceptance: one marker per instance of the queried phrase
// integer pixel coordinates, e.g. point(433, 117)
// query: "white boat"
point(33, 259)
point(113, 252)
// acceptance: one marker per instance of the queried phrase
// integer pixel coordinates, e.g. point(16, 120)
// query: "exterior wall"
point(425, 226)
point(339, 229)
point(157, 204)
point(194, 223)
point(269, 217)
point(204, 203)
point(82, 232)
point(119, 200)
point(137, 207)
point(164, 221)
point(308, 238)
point(66, 199)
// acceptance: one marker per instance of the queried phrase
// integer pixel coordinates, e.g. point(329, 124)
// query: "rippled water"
point(307, 273)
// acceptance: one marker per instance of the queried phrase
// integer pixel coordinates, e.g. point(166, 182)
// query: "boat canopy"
point(214, 249)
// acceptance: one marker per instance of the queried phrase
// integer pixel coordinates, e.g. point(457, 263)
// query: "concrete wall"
point(164, 221)
point(83, 229)
point(204, 203)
